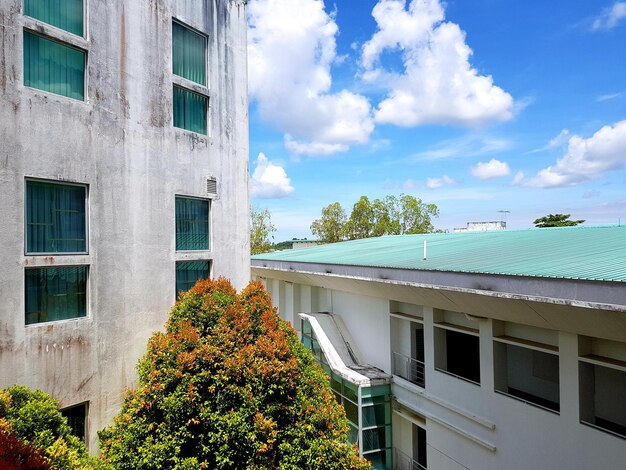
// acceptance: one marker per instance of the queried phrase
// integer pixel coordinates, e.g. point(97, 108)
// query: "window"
point(526, 364)
point(77, 419)
point(55, 293)
point(188, 53)
point(190, 110)
point(56, 219)
point(457, 353)
point(54, 67)
point(192, 224)
point(407, 340)
point(602, 384)
point(64, 14)
point(188, 272)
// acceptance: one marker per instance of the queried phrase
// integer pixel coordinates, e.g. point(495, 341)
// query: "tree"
point(330, 228)
point(389, 216)
point(556, 220)
point(35, 435)
point(228, 385)
point(261, 231)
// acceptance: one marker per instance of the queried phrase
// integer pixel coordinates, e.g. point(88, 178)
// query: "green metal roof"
point(591, 253)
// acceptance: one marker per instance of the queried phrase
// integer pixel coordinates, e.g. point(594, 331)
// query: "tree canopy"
point(35, 435)
point(228, 385)
point(261, 231)
point(391, 215)
point(556, 220)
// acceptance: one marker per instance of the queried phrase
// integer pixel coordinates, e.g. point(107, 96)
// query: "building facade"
point(506, 349)
point(123, 178)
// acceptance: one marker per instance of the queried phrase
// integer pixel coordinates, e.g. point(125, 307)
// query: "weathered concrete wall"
point(120, 142)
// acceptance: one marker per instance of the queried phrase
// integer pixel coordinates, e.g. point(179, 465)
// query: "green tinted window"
point(190, 110)
point(53, 67)
point(64, 14)
point(188, 272)
point(192, 224)
point(188, 54)
point(55, 293)
point(55, 218)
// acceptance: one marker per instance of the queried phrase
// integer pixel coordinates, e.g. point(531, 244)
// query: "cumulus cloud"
point(610, 17)
point(291, 48)
point(269, 181)
point(438, 85)
point(491, 169)
point(586, 159)
point(436, 183)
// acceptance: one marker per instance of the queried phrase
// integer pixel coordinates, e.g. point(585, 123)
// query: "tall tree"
point(362, 220)
point(556, 220)
point(261, 231)
point(330, 228)
point(228, 385)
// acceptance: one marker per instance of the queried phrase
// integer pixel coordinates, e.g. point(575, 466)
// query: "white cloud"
point(470, 146)
point(608, 97)
point(518, 178)
point(436, 183)
point(269, 181)
point(610, 17)
point(438, 84)
point(313, 148)
point(586, 159)
point(558, 141)
point(591, 193)
point(491, 169)
point(291, 48)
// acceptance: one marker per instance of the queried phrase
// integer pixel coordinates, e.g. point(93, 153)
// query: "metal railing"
point(409, 369)
point(401, 461)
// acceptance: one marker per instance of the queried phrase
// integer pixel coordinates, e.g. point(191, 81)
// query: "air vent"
point(211, 185)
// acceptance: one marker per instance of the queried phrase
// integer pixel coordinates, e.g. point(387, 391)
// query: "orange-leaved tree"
point(229, 386)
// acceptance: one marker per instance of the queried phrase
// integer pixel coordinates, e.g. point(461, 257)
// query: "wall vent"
point(211, 185)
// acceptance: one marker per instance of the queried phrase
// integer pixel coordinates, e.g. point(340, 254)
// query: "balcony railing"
point(409, 369)
point(401, 461)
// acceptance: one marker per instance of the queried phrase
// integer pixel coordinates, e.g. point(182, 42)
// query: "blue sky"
point(477, 106)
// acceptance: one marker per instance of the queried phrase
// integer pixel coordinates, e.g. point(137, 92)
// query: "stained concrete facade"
point(481, 422)
point(120, 142)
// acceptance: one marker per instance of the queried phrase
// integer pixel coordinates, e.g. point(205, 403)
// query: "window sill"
point(535, 405)
point(464, 379)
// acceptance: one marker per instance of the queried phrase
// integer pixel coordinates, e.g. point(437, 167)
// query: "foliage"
point(330, 227)
point(261, 231)
point(16, 454)
point(388, 216)
point(228, 385)
point(556, 220)
point(32, 425)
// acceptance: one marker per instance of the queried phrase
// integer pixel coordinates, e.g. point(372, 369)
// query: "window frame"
point(443, 327)
point(63, 43)
point(65, 31)
point(205, 37)
point(25, 206)
point(209, 231)
point(87, 294)
point(206, 109)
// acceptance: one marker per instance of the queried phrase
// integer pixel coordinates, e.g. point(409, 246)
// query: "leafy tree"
point(330, 228)
point(261, 231)
point(34, 432)
point(228, 385)
point(556, 220)
point(389, 216)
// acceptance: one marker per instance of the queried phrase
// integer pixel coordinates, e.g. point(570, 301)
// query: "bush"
point(36, 435)
point(229, 386)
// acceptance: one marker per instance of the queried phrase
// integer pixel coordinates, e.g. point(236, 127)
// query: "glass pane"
point(350, 391)
point(188, 272)
point(188, 54)
point(306, 327)
point(55, 293)
point(352, 412)
point(374, 439)
point(54, 67)
point(64, 14)
point(190, 110)
point(192, 224)
point(377, 415)
point(55, 218)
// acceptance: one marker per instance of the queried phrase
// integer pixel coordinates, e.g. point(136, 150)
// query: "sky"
point(476, 106)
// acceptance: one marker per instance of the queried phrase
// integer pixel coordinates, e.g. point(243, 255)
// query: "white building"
point(481, 226)
point(504, 349)
point(123, 177)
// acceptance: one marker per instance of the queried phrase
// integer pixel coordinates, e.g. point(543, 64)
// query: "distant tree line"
point(388, 216)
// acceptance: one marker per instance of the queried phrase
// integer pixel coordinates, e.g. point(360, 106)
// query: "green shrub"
point(229, 386)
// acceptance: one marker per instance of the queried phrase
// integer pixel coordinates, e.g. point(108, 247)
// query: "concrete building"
point(504, 349)
point(123, 177)
point(481, 226)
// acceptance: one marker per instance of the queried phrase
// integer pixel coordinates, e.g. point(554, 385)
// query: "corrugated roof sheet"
point(591, 253)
